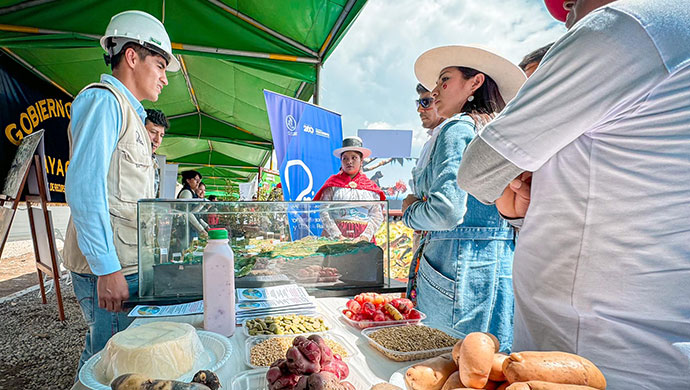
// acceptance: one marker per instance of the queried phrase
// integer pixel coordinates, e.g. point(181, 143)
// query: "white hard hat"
point(141, 28)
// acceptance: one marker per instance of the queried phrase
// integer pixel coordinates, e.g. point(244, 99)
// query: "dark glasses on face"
point(424, 102)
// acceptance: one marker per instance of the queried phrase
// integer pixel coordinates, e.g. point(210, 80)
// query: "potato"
point(453, 382)
point(555, 367)
point(476, 358)
point(503, 386)
point(384, 386)
point(456, 351)
point(491, 385)
point(540, 385)
point(496, 373)
point(141, 382)
point(430, 374)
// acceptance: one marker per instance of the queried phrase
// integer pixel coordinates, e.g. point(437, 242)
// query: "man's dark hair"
point(535, 56)
point(212, 198)
point(421, 89)
point(157, 118)
point(141, 51)
point(487, 98)
point(186, 175)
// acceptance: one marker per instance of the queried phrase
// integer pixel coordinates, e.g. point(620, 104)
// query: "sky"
point(369, 78)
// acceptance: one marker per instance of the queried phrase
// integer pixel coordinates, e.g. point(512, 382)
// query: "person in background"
point(356, 223)
point(430, 121)
point(190, 181)
point(461, 275)
point(212, 198)
point(156, 124)
point(110, 170)
point(201, 191)
point(532, 60)
point(601, 266)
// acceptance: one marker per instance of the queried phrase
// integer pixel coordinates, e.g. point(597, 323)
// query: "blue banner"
point(304, 138)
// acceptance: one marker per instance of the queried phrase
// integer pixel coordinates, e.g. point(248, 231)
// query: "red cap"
point(556, 9)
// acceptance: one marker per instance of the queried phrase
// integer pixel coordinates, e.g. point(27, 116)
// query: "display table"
point(368, 363)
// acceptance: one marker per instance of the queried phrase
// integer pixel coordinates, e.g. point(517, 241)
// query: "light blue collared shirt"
point(96, 122)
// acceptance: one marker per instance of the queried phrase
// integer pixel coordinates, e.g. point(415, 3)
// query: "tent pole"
point(36, 71)
point(317, 83)
point(261, 27)
point(176, 46)
point(336, 27)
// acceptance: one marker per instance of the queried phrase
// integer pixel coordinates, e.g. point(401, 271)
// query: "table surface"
point(369, 365)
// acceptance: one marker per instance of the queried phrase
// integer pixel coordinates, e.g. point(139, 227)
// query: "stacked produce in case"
point(273, 242)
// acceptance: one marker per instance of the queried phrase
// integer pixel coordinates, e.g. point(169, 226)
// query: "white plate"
point(256, 380)
point(218, 350)
point(398, 377)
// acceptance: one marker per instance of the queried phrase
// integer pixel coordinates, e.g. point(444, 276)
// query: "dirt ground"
point(17, 272)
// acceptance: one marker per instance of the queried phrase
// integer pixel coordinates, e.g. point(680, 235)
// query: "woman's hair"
point(487, 98)
point(186, 175)
point(361, 156)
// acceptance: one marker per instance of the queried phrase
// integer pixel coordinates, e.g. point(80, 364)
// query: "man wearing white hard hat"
point(602, 263)
point(111, 169)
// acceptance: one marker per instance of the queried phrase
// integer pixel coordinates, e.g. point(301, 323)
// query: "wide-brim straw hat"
point(508, 76)
point(352, 144)
point(556, 9)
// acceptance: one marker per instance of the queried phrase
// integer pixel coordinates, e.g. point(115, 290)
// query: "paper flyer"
point(183, 309)
point(289, 291)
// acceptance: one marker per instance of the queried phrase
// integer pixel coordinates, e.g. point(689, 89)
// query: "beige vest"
point(130, 178)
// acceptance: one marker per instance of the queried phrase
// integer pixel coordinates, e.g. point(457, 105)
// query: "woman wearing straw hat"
point(360, 223)
point(461, 275)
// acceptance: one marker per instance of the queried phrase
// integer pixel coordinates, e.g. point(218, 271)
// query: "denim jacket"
point(465, 273)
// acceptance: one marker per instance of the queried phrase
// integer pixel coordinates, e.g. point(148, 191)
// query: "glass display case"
point(323, 246)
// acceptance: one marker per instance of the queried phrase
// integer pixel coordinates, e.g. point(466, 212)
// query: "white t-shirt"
point(602, 264)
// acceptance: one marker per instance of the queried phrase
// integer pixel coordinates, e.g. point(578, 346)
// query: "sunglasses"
point(425, 103)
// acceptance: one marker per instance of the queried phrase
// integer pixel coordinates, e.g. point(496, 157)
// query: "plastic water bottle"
point(219, 284)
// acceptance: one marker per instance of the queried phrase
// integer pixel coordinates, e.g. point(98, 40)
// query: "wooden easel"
point(30, 161)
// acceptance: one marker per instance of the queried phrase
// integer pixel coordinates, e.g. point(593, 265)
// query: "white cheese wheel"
point(160, 350)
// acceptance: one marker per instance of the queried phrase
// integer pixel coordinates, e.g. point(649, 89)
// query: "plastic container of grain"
point(255, 340)
point(317, 317)
point(399, 356)
point(256, 380)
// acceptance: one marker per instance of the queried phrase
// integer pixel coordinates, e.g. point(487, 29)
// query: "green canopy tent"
point(230, 51)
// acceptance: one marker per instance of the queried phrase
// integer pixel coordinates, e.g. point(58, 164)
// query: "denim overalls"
point(464, 276)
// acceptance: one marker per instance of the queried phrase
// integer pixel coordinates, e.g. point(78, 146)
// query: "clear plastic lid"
point(364, 324)
point(251, 342)
point(256, 380)
point(399, 356)
point(295, 331)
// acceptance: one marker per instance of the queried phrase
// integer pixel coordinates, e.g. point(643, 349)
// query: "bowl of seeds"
point(403, 343)
point(262, 351)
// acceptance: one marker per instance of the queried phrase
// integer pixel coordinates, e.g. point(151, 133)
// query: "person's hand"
point(112, 290)
point(516, 197)
point(407, 202)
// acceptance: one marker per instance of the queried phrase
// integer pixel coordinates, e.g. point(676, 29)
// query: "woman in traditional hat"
point(360, 223)
point(461, 275)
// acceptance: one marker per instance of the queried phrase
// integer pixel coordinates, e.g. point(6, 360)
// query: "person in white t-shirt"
point(602, 265)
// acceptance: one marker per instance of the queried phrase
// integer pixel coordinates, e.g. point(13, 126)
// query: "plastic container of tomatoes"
point(363, 324)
